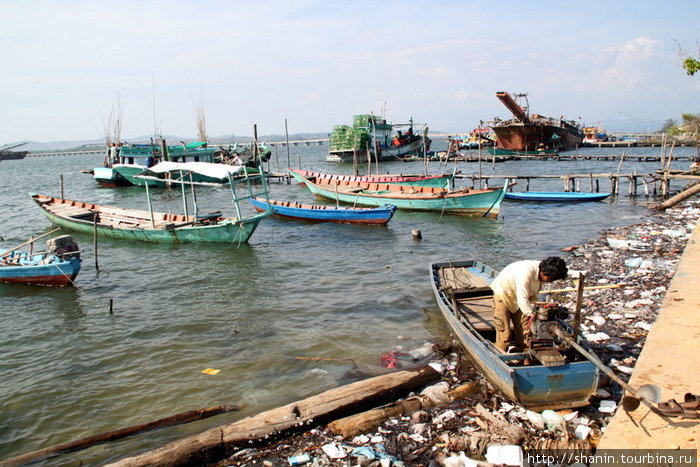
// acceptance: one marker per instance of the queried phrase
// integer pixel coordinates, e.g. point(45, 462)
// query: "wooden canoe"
point(58, 266)
point(464, 201)
point(324, 213)
point(465, 300)
point(438, 181)
point(134, 224)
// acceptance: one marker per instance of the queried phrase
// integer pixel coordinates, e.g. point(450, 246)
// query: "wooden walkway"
point(654, 184)
point(671, 351)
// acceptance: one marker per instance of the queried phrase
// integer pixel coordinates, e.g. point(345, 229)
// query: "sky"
point(68, 68)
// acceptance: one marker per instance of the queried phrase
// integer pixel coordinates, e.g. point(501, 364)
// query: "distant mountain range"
point(34, 146)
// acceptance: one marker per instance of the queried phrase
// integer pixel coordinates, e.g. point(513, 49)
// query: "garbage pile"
point(628, 269)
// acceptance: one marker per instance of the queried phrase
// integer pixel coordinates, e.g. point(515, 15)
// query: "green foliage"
point(691, 123)
point(668, 125)
point(691, 66)
point(673, 131)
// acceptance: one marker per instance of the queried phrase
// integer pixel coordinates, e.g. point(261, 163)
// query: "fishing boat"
point(162, 227)
point(371, 137)
point(439, 181)
point(464, 201)
point(124, 162)
point(556, 378)
point(511, 153)
point(6, 154)
point(530, 132)
point(57, 266)
point(558, 196)
point(325, 213)
point(593, 135)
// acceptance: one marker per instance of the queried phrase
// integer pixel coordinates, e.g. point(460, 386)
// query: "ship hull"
point(530, 137)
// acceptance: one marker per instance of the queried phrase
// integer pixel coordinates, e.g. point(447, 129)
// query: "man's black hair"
point(554, 267)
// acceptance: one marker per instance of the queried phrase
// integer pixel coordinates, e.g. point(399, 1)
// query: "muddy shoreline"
point(629, 268)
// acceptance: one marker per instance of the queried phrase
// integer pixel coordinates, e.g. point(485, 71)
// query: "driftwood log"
point(218, 443)
point(683, 195)
point(84, 443)
point(351, 426)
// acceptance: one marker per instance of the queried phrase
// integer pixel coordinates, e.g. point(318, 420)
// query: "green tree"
point(690, 64)
point(691, 123)
point(668, 125)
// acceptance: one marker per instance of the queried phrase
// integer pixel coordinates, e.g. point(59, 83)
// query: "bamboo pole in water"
point(84, 443)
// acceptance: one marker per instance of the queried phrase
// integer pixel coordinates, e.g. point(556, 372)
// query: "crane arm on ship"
point(518, 112)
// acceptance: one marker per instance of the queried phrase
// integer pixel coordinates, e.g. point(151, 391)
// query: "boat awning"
point(207, 169)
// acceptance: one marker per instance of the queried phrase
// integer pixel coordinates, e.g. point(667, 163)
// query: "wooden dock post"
point(286, 134)
point(646, 186)
point(60, 185)
point(94, 239)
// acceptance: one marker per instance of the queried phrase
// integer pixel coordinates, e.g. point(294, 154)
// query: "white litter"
point(505, 455)
point(334, 450)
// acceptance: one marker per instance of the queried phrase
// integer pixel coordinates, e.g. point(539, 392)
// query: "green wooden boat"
point(124, 163)
point(439, 181)
point(464, 201)
point(514, 153)
point(160, 227)
point(135, 158)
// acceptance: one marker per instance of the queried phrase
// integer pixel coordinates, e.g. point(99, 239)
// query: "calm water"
point(69, 369)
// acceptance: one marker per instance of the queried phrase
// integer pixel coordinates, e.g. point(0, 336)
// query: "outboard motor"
point(64, 247)
point(544, 344)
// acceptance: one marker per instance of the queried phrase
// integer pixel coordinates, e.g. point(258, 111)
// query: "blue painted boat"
point(325, 213)
point(57, 266)
point(559, 196)
point(465, 300)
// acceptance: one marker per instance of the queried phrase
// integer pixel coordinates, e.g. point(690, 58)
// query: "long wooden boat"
point(438, 181)
point(464, 201)
point(324, 213)
point(57, 266)
point(465, 300)
point(151, 226)
point(511, 153)
point(558, 196)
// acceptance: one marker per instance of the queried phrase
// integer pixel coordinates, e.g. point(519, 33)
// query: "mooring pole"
point(94, 240)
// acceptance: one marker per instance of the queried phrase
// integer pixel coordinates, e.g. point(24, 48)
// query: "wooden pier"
point(654, 184)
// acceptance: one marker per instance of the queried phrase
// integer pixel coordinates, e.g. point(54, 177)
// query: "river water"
point(70, 369)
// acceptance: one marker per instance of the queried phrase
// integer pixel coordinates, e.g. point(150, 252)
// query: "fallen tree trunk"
point(685, 194)
point(84, 443)
point(217, 443)
point(351, 426)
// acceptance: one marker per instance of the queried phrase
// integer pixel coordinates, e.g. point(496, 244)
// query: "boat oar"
point(645, 394)
point(32, 240)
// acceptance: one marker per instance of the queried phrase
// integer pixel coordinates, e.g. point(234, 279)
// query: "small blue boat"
point(566, 196)
point(465, 300)
point(326, 213)
point(58, 266)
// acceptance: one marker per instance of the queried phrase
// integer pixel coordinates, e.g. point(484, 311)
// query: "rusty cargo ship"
point(531, 133)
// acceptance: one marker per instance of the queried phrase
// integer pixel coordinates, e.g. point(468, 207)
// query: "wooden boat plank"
point(479, 312)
